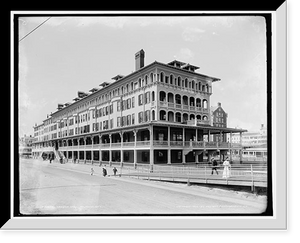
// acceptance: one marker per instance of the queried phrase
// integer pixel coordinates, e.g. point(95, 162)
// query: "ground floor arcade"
point(153, 144)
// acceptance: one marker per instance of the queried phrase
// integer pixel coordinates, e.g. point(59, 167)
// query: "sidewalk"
point(245, 198)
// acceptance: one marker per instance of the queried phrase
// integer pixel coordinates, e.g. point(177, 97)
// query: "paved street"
point(70, 189)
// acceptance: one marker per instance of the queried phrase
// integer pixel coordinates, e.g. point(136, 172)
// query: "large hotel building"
point(160, 113)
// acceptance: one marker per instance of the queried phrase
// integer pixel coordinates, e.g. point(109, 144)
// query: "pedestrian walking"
point(227, 168)
point(104, 171)
point(92, 171)
point(115, 171)
point(214, 166)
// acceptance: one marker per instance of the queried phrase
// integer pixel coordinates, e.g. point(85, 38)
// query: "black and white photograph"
point(144, 115)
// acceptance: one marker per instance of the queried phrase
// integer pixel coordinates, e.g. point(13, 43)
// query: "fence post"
point(252, 179)
point(188, 174)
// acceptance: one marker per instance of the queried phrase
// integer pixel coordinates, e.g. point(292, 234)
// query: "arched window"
point(185, 100)
point(170, 97)
point(151, 77)
point(161, 77)
point(178, 117)
point(146, 80)
point(153, 96)
point(179, 81)
point(192, 101)
point(162, 96)
point(204, 104)
point(178, 99)
point(170, 116)
point(185, 117)
point(186, 83)
point(171, 79)
point(198, 102)
point(162, 115)
point(153, 115)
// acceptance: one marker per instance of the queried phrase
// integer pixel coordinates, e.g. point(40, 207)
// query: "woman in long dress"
point(226, 171)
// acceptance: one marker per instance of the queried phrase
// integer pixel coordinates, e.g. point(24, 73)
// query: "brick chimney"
point(139, 59)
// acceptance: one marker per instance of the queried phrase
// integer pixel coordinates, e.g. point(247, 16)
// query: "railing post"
point(252, 179)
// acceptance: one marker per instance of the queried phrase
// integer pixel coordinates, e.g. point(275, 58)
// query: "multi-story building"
point(25, 146)
point(160, 113)
point(218, 119)
point(254, 144)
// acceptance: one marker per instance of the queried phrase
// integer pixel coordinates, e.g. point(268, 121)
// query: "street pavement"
point(71, 189)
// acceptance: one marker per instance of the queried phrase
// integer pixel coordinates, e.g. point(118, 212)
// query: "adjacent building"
point(160, 113)
point(218, 119)
point(254, 144)
point(25, 146)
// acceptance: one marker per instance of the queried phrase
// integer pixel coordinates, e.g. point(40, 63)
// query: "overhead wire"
point(34, 29)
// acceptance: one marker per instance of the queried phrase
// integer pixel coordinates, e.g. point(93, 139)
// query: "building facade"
point(218, 119)
point(254, 144)
point(25, 146)
point(158, 114)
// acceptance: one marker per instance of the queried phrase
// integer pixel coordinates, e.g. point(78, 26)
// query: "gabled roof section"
point(104, 84)
point(176, 63)
point(119, 76)
point(190, 67)
point(93, 90)
point(81, 94)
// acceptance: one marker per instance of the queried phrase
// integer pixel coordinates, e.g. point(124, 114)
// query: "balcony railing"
point(156, 143)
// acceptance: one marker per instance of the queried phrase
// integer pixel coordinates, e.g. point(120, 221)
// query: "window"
point(153, 96)
point(147, 116)
point(105, 124)
point(111, 123)
point(119, 121)
point(147, 98)
point(132, 102)
point(140, 117)
point(133, 116)
point(124, 121)
point(111, 108)
point(128, 120)
point(118, 106)
point(128, 103)
point(141, 99)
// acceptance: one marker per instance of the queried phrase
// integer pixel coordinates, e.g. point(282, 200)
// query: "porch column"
point(134, 150)
point(230, 145)
point(151, 155)
point(169, 155)
point(183, 157)
point(208, 138)
point(241, 151)
point(134, 157)
point(169, 136)
point(100, 152)
point(84, 152)
point(110, 151)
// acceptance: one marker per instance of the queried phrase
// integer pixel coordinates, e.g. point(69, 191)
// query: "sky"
point(69, 54)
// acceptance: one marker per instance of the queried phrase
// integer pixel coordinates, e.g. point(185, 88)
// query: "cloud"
point(185, 54)
point(192, 34)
